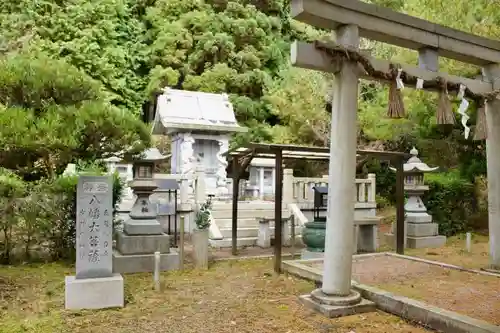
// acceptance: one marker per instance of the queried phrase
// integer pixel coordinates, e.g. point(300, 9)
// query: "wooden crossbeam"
point(385, 25)
point(308, 55)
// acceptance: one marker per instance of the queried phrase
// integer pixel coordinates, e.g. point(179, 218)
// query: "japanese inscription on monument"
point(94, 227)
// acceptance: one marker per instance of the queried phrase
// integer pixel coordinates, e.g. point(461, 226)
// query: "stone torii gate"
point(340, 55)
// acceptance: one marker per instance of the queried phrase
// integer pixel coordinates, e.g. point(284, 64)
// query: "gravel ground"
point(237, 297)
point(474, 295)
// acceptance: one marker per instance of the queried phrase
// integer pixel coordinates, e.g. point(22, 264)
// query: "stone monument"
point(420, 231)
point(142, 233)
point(94, 286)
point(200, 125)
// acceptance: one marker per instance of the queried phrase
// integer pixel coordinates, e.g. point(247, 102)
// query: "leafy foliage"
point(451, 202)
point(51, 114)
point(203, 215)
point(235, 47)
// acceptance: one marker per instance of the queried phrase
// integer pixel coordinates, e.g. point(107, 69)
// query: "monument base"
point(142, 227)
point(419, 242)
point(144, 244)
point(96, 293)
point(423, 242)
point(140, 263)
point(334, 306)
point(306, 255)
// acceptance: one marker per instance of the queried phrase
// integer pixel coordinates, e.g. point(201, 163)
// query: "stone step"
point(253, 205)
point(243, 242)
point(227, 242)
point(247, 213)
point(224, 223)
point(248, 232)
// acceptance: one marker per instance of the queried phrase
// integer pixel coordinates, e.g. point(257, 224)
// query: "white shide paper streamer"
point(462, 110)
point(420, 83)
point(461, 92)
point(399, 82)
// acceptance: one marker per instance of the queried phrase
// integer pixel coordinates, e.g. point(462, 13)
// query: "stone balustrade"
point(299, 190)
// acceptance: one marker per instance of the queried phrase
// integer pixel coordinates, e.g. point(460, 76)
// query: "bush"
point(385, 180)
point(40, 217)
point(12, 189)
point(451, 202)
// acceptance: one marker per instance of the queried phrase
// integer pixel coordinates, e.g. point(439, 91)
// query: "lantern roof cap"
point(415, 164)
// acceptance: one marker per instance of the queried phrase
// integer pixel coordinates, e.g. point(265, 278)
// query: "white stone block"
point(264, 235)
point(94, 293)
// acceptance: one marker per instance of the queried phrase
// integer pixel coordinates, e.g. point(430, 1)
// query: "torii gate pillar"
point(336, 298)
point(493, 162)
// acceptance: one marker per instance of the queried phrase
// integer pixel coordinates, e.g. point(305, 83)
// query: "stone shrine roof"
point(182, 110)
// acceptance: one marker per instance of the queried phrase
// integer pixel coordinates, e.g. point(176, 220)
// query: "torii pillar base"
point(336, 306)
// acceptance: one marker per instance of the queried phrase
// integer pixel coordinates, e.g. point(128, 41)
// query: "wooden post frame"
point(241, 157)
point(239, 165)
point(278, 207)
point(400, 208)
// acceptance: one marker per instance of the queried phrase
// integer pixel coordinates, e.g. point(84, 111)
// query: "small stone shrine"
point(142, 233)
point(200, 125)
point(94, 286)
point(420, 231)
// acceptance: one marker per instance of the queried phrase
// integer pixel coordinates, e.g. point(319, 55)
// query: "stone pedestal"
point(420, 231)
point(94, 293)
point(200, 248)
point(142, 236)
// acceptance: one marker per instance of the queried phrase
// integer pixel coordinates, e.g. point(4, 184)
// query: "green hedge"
point(451, 202)
point(38, 219)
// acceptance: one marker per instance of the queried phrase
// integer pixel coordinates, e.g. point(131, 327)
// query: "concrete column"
point(342, 173)
point(261, 183)
point(493, 165)
point(493, 162)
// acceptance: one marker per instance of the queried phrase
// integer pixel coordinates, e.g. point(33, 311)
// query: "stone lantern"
point(142, 233)
point(420, 231)
point(143, 213)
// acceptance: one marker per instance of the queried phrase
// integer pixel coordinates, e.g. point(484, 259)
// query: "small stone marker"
point(94, 227)
point(468, 242)
point(94, 286)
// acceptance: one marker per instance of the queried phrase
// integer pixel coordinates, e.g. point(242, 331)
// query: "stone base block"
point(334, 311)
point(143, 244)
point(421, 229)
point(99, 293)
point(264, 235)
point(423, 242)
point(306, 254)
point(139, 263)
point(142, 227)
point(418, 217)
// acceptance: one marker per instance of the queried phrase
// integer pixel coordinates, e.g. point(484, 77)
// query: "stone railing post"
point(200, 189)
point(288, 186)
point(184, 191)
point(372, 190)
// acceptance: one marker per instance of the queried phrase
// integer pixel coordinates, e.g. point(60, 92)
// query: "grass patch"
point(233, 296)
